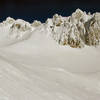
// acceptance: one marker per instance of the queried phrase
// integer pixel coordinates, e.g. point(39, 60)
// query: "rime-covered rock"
point(19, 28)
point(36, 23)
point(92, 27)
point(77, 30)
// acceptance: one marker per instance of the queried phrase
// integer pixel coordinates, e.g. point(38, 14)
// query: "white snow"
point(33, 66)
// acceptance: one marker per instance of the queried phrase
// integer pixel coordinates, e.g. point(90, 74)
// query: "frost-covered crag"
point(77, 30)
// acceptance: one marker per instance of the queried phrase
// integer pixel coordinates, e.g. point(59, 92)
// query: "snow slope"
point(35, 67)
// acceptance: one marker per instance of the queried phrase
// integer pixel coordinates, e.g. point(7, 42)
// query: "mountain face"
point(77, 30)
point(41, 61)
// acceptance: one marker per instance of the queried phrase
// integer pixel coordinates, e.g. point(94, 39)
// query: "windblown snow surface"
point(55, 60)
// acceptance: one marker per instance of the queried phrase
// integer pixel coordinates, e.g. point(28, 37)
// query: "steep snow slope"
point(34, 67)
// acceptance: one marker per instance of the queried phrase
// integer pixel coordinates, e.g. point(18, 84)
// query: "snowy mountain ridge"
point(77, 30)
point(43, 61)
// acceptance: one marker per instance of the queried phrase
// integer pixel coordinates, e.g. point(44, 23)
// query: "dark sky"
point(30, 10)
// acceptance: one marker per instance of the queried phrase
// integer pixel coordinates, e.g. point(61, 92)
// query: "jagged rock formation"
point(92, 26)
point(19, 28)
point(36, 23)
point(77, 30)
point(8, 21)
